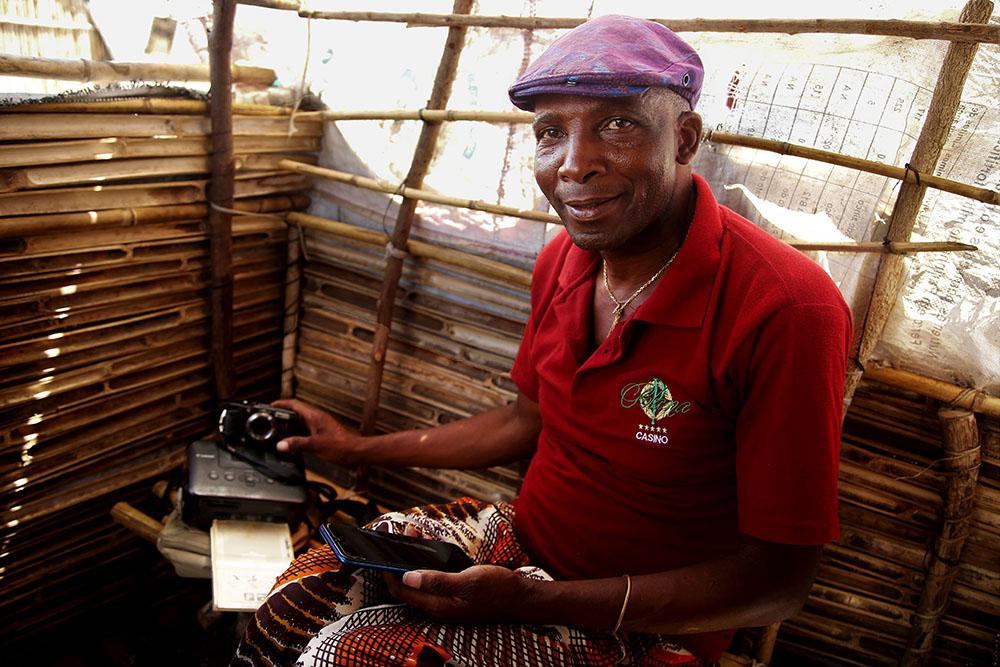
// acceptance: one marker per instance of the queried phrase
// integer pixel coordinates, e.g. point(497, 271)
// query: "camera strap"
point(262, 467)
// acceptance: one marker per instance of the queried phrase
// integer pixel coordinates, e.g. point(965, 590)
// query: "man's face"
point(608, 165)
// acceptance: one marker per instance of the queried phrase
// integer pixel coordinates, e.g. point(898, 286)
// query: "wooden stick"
point(75, 205)
point(422, 155)
point(767, 642)
point(61, 126)
point(112, 148)
point(220, 196)
point(414, 193)
point(104, 70)
point(940, 116)
point(293, 302)
point(470, 262)
point(104, 171)
point(158, 105)
point(139, 523)
point(759, 143)
point(111, 245)
point(907, 175)
point(96, 198)
point(961, 462)
point(540, 216)
point(290, 5)
point(432, 115)
point(34, 225)
point(892, 247)
point(960, 32)
point(946, 392)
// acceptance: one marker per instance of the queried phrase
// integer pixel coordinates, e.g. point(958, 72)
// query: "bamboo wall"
point(454, 338)
point(104, 331)
point(891, 486)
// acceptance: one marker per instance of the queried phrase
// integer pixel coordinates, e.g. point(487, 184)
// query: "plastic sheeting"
point(870, 102)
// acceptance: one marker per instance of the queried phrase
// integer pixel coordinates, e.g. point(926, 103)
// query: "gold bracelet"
point(621, 614)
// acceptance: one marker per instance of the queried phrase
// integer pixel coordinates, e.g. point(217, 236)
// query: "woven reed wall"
point(104, 332)
point(871, 579)
point(454, 338)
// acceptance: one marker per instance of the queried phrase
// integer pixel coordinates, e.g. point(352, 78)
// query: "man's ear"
point(688, 136)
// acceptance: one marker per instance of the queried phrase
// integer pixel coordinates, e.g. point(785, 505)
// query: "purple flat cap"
point(612, 56)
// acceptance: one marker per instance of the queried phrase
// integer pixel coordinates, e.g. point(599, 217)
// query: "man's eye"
point(619, 124)
point(547, 133)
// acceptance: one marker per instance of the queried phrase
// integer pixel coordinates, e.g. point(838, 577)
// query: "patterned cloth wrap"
point(318, 616)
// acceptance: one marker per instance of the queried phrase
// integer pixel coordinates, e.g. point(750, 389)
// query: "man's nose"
point(582, 160)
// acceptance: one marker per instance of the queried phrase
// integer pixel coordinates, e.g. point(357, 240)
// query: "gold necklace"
point(620, 306)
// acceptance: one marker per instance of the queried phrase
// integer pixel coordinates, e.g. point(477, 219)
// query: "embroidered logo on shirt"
point(656, 401)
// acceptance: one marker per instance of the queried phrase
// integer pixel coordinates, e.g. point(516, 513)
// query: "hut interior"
point(352, 221)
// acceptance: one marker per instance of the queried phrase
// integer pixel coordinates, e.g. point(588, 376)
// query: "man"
point(680, 379)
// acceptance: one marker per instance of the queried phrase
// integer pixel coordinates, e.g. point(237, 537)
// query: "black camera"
point(244, 476)
point(258, 424)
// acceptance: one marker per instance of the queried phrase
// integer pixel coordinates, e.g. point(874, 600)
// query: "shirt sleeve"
point(788, 429)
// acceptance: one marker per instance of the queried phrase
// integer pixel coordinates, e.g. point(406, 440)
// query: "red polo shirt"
point(714, 410)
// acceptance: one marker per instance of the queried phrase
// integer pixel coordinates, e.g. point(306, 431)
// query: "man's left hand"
point(479, 593)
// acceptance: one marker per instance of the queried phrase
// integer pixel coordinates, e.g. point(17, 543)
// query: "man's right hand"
point(327, 437)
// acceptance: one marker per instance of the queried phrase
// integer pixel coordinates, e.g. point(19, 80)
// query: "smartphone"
point(394, 553)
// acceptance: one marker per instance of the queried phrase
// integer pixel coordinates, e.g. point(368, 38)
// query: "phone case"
point(414, 553)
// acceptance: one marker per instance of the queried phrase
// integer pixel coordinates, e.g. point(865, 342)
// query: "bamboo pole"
point(34, 225)
point(105, 70)
point(961, 465)
point(96, 198)
point(422, 155)
point(109, 246)
point(729, 139)
point(220, 196)
point(946, 392)
point(541, 216)
point(960, 32)
point(293, 300)
point(105, 171)
point(290, 5)
point(62, 126)
point(432, 115)
point(482, 265)
point(767, 641)
point(156, 105)
point(141, 524)
point(413, 194)
point(36, 154)
point(940, 116)
point(891, 247)
point(899, 173)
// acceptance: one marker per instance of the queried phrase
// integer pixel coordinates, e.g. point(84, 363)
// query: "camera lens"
point(260, 426)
